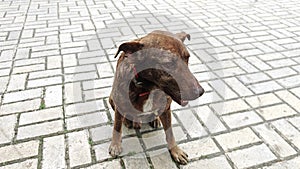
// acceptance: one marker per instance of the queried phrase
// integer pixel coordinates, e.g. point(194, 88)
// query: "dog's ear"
point(183, 35)
point(129, 47)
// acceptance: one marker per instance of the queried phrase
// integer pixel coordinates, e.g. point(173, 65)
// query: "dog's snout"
point(199, 91)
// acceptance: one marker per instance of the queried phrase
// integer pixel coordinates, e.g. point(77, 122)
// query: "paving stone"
point(40, 129)
point(229, 72)
point(290, 99)
point(251, 156)
point(81, 77)
point(25, 62)
point(54, 147)
point(69, 60)
point(293, 163)
point(277, 143)
point(271, 56)
point(190, 123)
point(6, 55)
point(296, 91)
point(288, 131)
point(86, 120)
point(115, 164)
point(282, 72)
point(46, 73)
point(73, 93)
point(223, 89)
point(99, 83)
point(245, 65)
point(5, 64)
point(289, 82)
point(261, 46)
point(210, 120)
point(216, 162)
point(263, 100)
point(97, 93)
point(274, 45)
point(136, 161)
point(30, 68)
point(7, 126)
point(265, 87)
point(250, 52)
point(258, 63)
point(104, 70)
point(224, 56)
point(274, 112)
point(237, 138)
point(17, 82)
point(20, 107)
point(4, 72)
point(3, 83)
point(162, 159)
point(80, 108)
point(199, 148)
point(238, 87)
point(79, 148)
point(230, 106)
point(28, 164)
point(17, 151)
point(253, 78)
point(130, 145)
point(44, 82)
point(157, 138)
point(241, 119)
point(101, 133)
point(205, 76)
point(54, 62)
point(53, 96)
point(22, 53)
point(22, 95)
point(79, 69)
point(101, 151)
point(41, 115)
point(281, 63)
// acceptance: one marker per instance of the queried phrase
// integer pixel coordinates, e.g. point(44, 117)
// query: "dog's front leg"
point(115, 147)
point(177, 154)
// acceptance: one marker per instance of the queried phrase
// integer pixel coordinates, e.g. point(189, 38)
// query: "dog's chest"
point(149, 105)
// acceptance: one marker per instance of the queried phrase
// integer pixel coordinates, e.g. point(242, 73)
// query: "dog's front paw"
point(179, 156)
point(115, 149)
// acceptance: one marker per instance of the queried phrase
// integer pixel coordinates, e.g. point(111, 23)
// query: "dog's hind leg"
point(155, 123)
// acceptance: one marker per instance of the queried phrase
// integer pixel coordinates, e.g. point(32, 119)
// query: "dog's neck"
point(139, 82)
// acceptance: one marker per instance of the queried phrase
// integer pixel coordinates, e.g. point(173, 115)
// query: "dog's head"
point(162, 59)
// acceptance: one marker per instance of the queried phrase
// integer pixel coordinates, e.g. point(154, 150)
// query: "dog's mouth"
point(181, 102)
point(184, 102)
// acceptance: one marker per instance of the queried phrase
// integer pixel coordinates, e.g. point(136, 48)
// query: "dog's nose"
point(199, 91)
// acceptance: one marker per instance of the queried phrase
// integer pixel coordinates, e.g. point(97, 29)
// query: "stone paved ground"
point(56, 71)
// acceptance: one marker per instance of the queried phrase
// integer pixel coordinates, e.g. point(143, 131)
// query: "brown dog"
point(151, 72)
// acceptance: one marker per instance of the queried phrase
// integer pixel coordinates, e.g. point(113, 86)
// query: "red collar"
point(144, 94)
